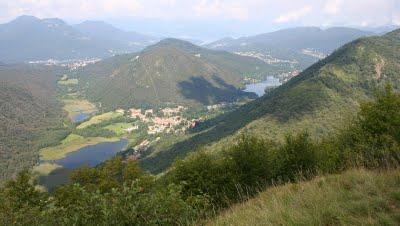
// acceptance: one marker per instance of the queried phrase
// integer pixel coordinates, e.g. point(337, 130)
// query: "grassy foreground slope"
point(318, 100)
point(355, 197)
point(171, 71)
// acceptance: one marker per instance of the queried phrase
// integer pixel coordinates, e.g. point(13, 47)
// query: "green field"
point(118, 128)
point(70, 144)
point(357, 197)
point(99, 118)
point(67, 82)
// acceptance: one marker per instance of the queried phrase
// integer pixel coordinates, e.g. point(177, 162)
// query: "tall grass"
point(356, 197)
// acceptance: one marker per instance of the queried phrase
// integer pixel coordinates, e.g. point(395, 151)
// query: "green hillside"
point(172, 71)
point(28, 109)
point(317, 100)
point(205, 187)
point(356, 197)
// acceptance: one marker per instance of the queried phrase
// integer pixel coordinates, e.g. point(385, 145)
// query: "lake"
point(79, 117)
point(91, 155)
point(259, 88)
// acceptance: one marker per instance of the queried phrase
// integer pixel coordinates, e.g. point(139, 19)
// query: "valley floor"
point(356, 197)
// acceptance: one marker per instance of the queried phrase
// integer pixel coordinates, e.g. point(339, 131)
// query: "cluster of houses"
point(71, 64)
point(169, 121)
point(266, 58)
point(284, 77)
point(313, 53)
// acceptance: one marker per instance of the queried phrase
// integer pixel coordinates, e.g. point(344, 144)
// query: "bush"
point(250, 161)
point(373, 139)
point(21, 202)
point(201, 174)
point(295, 158)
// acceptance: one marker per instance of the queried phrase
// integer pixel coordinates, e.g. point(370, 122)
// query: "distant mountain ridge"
point(104, 31)
point(28, 38)
point(305, 45)
point(171, 71)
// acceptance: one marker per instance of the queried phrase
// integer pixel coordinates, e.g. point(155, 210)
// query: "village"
point(157, 122)
point(165, 120)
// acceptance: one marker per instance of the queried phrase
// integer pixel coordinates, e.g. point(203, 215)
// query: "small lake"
point(80, 117)
point(259, 88)
point(91, 155)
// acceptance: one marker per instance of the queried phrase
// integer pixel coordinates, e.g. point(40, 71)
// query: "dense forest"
point(29, 115)
point(196, 188)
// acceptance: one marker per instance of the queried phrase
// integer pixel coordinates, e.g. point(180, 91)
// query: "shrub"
point(201, 174)
point(373, 139)
point(295, 158)
point(249, 160)
point(21, 202)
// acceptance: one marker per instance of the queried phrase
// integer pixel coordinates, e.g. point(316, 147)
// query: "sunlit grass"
point(118, 128)
point(67, 82)
point(99, 118)
point(356, 197)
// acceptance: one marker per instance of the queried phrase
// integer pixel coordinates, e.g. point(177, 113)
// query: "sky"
point(204, 19)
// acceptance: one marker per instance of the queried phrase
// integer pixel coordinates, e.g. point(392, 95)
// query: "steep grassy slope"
point(28, 107)
point(356, 197)
point(171, 71)
point(317, 100)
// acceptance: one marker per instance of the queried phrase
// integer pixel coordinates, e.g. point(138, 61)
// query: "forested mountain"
point(301, 46)
point(317, 100)
point(171, 71)
point(28, 108)
point(28, 38)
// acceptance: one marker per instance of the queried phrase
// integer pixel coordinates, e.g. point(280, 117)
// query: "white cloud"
point(70, 8)
point(293, 15)
point(333, 6)
point(225, 9)
point(267, 13)
point(396, 19)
